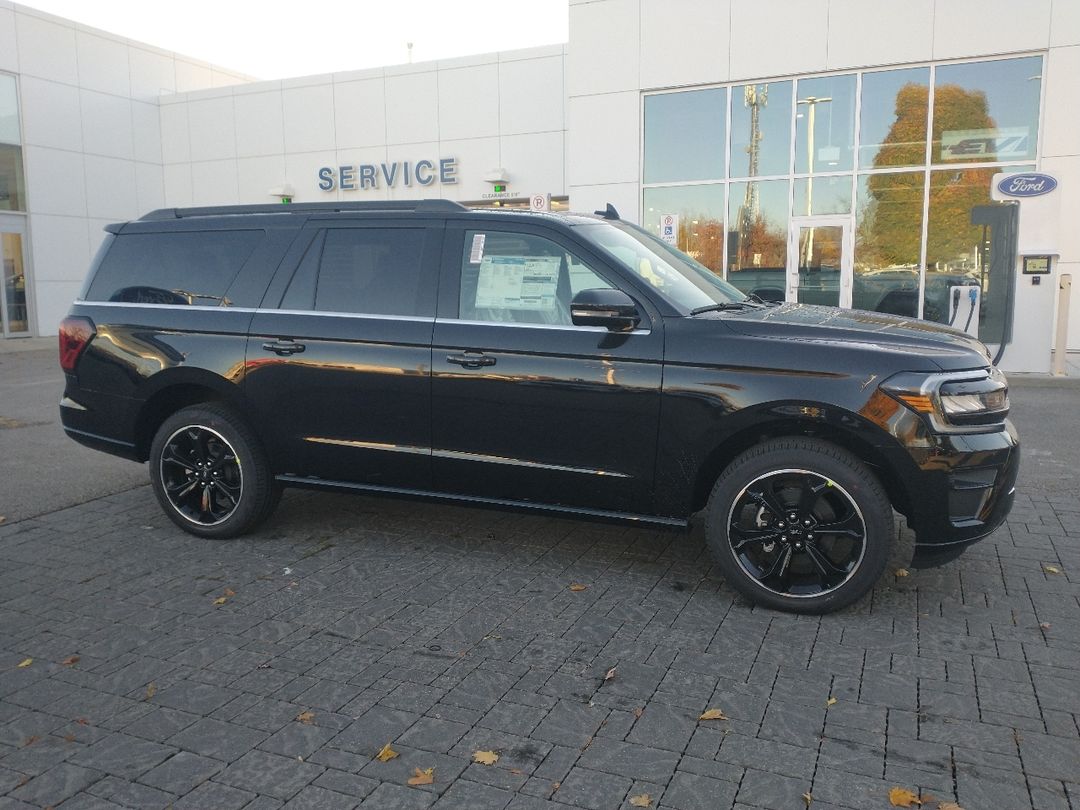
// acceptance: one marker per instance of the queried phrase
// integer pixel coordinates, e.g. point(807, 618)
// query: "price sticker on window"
point(476, 253)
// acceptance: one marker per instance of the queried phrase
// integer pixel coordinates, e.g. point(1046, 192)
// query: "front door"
point(526, 406)
point(14, 309)
point(819, 268)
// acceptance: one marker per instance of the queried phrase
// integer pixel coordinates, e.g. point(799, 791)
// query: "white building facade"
point(845, 152)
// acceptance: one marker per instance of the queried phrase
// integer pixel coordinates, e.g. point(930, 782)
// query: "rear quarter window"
point(193, 268)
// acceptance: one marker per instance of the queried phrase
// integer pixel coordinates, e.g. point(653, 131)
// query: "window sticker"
point(518, 282)
point(476, 254)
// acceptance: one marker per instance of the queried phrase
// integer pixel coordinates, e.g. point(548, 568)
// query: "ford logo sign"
point(1027, 185)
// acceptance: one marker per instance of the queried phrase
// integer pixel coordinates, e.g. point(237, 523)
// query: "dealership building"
point(920, 158)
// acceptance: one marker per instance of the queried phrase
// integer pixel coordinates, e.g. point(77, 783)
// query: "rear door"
point(527, 406)
point(339, 360)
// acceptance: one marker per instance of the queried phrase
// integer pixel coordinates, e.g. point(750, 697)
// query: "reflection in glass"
point(824, 124)
point(760, 129)
point(987, 111)
point(892, 120)
point(9, 110)
point(822, 195)
point(888, 232)
point(11, 258)
point(12, 190)
point(821, 248)
point(757, 237)
point(684, 135)
point(701, 220)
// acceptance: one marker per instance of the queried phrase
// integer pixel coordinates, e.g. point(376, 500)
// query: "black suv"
point(567, 364)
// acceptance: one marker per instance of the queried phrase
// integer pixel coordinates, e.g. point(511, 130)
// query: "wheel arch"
point(860, 446)
point(178, 389)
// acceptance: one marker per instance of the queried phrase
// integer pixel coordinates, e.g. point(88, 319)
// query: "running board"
point(477, 500)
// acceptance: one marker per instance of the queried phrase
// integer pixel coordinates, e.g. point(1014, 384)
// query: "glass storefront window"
point(888, 235)
point(760, 129)
point(757, 234)
point(822, 195)
point(684, 136)
point(824, 124)
point(701, 219)
point(892, 118)
point(987, 111)
point(12, 191)
point(9, 110)
point(14, 282)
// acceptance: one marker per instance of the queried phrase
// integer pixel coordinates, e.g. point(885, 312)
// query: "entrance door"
point(819, 268)
point(14, 311)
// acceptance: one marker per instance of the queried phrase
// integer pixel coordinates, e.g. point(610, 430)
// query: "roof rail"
point(418, 206)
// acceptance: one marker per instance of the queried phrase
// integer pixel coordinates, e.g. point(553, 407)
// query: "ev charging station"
point(1033, 265)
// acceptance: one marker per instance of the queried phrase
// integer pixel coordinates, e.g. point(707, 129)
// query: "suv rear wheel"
point(209, 472)
point(800, 525)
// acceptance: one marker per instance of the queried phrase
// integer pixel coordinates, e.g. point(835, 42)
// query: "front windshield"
point(683, 281)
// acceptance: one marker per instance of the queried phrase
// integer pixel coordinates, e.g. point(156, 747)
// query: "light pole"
point(811, 103)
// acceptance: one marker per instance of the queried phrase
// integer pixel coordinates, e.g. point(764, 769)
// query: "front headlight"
point(963, 402)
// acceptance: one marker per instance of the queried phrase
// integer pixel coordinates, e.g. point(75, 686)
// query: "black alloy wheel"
point(210, 472)
point(201, 475)
point(797, 533)
point(799, 524)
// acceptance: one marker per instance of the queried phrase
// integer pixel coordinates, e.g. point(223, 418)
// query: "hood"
point(949, 349)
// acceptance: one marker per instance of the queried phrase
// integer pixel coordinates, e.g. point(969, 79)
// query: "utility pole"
point(754, 98)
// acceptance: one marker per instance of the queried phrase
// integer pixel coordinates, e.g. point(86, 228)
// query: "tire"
point(834, 551)
point(210, 474)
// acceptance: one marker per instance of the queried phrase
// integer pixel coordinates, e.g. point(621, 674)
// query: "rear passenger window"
point(188, 268)
point(373, 271)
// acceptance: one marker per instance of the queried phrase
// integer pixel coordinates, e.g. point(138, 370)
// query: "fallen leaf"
point(1051, 569)
point(713, 714)
point(641, 800)
point(33, 738)
point(23, 780)
point(307, 718)
point(82, 721)
point(485, 757)
point(902, 572)
point(577, 586)
point(1044, 625)
point(806, 797)
point(516, 771)
point(422, 777)
point(151, 690)
point(609, 674)
point(638, 711)
point(221, 600)
point(69, 738)
point(902, 797)
point(229, 592)
point(830, 702)
point(2, 518)
point(386, 753)
point(949, 806)
point(25, 663)
point(555, 786)
point(67, 662)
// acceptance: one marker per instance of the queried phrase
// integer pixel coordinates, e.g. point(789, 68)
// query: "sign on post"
point(540, 202)
point(669, 228)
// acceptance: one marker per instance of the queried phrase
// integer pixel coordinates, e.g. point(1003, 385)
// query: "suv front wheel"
point(209, 472)
point(799, 524)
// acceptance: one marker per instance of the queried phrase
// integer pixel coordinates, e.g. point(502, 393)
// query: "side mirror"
point(612, 309)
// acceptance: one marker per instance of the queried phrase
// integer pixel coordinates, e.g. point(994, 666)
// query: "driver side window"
point(511, 277)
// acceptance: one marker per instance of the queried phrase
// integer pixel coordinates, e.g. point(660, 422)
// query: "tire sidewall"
point(832, 463)
point(248, 511)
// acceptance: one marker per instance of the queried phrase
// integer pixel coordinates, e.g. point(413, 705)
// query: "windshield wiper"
point(724, 306)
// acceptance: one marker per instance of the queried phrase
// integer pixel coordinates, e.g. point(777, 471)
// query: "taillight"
point(75, 334)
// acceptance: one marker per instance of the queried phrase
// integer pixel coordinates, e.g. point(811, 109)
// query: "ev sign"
point(540, 202)
point(669, 228)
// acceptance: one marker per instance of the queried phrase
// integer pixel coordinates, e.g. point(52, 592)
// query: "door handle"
point(470, 359)
point(284, 347)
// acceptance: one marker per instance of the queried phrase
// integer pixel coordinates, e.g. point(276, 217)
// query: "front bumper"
point(963, 491)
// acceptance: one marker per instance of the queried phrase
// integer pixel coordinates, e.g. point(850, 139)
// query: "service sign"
point(1027, 185)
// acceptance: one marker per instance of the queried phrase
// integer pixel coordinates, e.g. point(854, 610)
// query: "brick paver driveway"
point(269, 671)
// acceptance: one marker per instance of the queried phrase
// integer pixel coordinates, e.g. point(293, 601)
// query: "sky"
point(274, 40)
